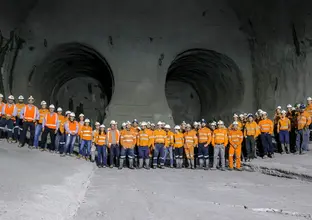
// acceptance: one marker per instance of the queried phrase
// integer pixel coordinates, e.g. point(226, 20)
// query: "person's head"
point(102, 128)
point(309, 100)
point(81, 117)
point(10, 99)
point(241, 117)
point(135, 123)
point(283, 112)
point(31, 100)
point(289, 108)
point(213, 125)
point(51, 108)
point(67, 114)
point(159, 125)
point(21, 99)
point(195, 125)
point(1, 97)
point(235, 125)
point(87, 122)
point(97, 125)
point(235, 117)
point(113, 124)
point(43, 104)
point(278, 109)
point(203, 123)
point(148, 125)
point(143, 125)
point(128, 126)
point(177, 129)
point(250, 118)
point(199, 126)
point(188, 127)
point(163, 124)
point(220, 124)
point(302, 107)
point(59, 110)
point(153, 126)
point(183, 125)
point(72, 116)
point(167, 127)
point(264, 115)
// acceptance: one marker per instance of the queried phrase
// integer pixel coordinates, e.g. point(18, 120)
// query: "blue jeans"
point(168, 150)
point(10, 124)
point(302, 140)
point(159, 151)
point(129, 152)
point(143, 152)
point(284, 137)
point(70, 143)
point(83, 150)
point(102, 155)
point(266, 141)
point(59, 141)
point(113, 152)
point(37, 134)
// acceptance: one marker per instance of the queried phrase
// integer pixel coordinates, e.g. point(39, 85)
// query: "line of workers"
point(213, 143)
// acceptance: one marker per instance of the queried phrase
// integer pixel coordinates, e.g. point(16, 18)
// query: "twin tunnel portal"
point(199, 82)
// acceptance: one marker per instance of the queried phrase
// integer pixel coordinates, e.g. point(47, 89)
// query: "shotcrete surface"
point(37, 185)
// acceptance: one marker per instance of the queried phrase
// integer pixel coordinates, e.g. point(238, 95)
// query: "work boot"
point(79, 156)
point(140, 163)
point(147, 164)
point(10, 140)
point(201, 163)
point(206, 164)
point(154, 166)
point(131, 164)
point(283, 148)
point(121, 164)
point(189, 163)
point(287, 148)
point(192, 164)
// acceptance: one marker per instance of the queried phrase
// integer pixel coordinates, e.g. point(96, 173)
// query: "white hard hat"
point(241, 115)
point(113, 122)
point(289, 106)
point(183, 123)
point(167, 126)
point(21, 97)
point(152, 124)
point(159, 123)
point(30, 98)
point(188, 125)
point(52, 106)
point(143, 123)
point(11, 97)
point(123, 124)
point(235, 116)
point(163, 123)
point(235, 123)
point(177, 127)
point(1, 96)
point(256, 114)
point(264, 113)
point(139, 128)
point(42, 102)
point(278, 107)
point(260, 110)
point(59, 109)
point(220, 122)
point(293, 108)
point(128, 123)
point(309, 99)
point(81, 115)
point(102, 126)
point(213, 123)
point(87, 120)
point(67, 112)
point(72, 114)
point(195, 123)
point(97, 123)
point(283, 112)
point(148, 122)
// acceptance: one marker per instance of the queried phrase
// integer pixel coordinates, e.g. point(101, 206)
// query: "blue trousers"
point(114, 151)
point(169, 150)
point(159, 151)
point(284, 137)
point(38, 131)
point(85, 148)
point(266, 141)
point(10, 124)
point(69, 144)
point(59, 141)
point(302, 140)
point(102, 155)
point(179, 152)
point(143, 152)
point(127, 152)
point(202, 151)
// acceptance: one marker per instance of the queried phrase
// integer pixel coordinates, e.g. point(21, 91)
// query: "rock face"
point(165, 60)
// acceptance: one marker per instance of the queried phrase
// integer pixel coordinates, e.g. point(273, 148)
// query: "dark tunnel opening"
point(77, 78)
point(202, 83)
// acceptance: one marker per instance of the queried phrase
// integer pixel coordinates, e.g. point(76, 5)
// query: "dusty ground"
point(37, 185)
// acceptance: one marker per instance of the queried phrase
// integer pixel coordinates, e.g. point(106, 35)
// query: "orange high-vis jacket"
point(308, 117)
point(109, 138)
point(309, 109)
point(251, 129)
point(128, 139)
point(95, 133)
point(178, 140)
point(99, 139)
point(190, 139)
point(235, 137)
point(19, 107)
point(159, 137)
point(283, 124)
point(81, 124)
point(144, 138)
point(303, 120)
point(1, 106)
point(240, 126)
point(266, 126)
point(170, 140)
point(86, 133)
point(42, 114)
point(62, 120)
point(204, 135)
point(219, 136)
point(51, 121)
point(135, 130)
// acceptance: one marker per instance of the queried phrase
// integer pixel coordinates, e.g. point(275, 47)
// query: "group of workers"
point(146, 144)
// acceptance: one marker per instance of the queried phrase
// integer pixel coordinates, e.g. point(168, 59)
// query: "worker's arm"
point(278, 125)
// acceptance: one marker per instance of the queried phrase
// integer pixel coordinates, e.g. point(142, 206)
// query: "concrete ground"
point(36, 185)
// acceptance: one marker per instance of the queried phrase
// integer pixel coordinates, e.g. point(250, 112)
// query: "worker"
point(1, 106)
point(277, 116)
point(81, 124)
point(71, 131)
point(219, 141)
point(60, 134)
point(85, 140)
point(8, 112)
point(241, 118)
point(309, 110)
point(178, 146)
point(19, 122)
point(235, 118)
point(251, 132)
point(135, 128)
point(42, 112)
point(283, 129)
point(235, 139)
point(159, 143)
point(204, 139)
point(30, 115)
point(100, 143)
point(183, 124)
point(190, 142)
point(50, 125)
point(153, 126)
point(144, 141)
point(128, 142)
point(292, 134)
point(112, 142)
point(266, 128)
point(303, 122)
point(169, 146)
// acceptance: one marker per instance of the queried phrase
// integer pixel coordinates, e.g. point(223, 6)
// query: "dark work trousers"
point(18, 128)
point(250, 146)
point(31, 126)
point(179, 152)
point(9, 123)
point(143, 152)
point(114, 152)
point(292, 140)
point(266, 141)
point(102, 155)
point(44, 138)
point(211, 154)
point(202, 151)
point(159, 150)
point(244, 154)
point(278, 146)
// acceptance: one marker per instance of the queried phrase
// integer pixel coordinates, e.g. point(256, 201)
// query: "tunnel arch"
point(74, 71)
point(202, 83)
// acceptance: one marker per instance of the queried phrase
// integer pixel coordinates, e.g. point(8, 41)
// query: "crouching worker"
point(9, 112)
point(71, 129)
point(127, 141)
point(235, 139)
point(144, 140)
point(50, 125)
point(85, 140)
point(219, 142)
point(190, 142)
point(178, 139)
point(100, 143)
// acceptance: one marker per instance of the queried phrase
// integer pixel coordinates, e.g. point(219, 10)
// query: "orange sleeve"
point(209, 137)
point(213, 139)
point(166, 139)
point(226, 141)
point(278, 125)
point(230, 139)
point(134, 139)
point(245, 131)
point(272, 127)
point(289, 125)
point(241, 138)
point(195, 139)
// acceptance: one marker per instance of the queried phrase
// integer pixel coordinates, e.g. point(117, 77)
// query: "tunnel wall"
point(133, 39)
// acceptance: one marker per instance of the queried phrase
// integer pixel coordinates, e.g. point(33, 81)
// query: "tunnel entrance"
point(77, 78)
point(202, 83)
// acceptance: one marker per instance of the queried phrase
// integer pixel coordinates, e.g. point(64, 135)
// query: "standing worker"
point(169, 147)
point(60, 134)
point(50, 125)
point(303, 122)
point(127, 141)
point(178, 146)
point(190, 142)
point(1, 106)
point(266, 128)
point(283, 129)
point(18, 123)
point(100, 143)
point(159, 144)
point(42, 112)
point(219, 141)
point(85, 140)
point(144, 141)
point(235, 140)
point(9, 112)
point(204, 139)
point(251, 132)
point(71, 130)
point(112, 142)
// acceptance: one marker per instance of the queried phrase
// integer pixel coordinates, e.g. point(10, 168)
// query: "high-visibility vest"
point(86, 133)
point(204, 136)
point(266, 126)
point(178, 140)
point(128, 139)
point(220, 137)
point(190, 139)
point(160, 136)
point(51, 120)
point(109, 136)
point(72, 126)
point(19, 107)
point(42, 114)
point(235, 137)
point(30, 113)
point(284, 124)
point(100, 139)
point(143, 138)
point(9, 109)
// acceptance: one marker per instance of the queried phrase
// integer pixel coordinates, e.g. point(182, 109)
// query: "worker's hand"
point(34, 121)
point(206, 145)
point(42, 129)
point(55, 132)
